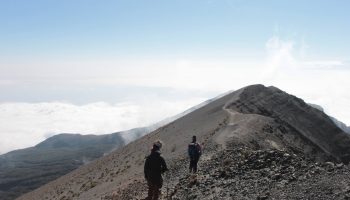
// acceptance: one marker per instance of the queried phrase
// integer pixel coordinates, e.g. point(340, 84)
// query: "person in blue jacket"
point(194, 152)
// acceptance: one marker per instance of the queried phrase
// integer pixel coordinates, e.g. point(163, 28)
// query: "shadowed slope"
point(311, 123)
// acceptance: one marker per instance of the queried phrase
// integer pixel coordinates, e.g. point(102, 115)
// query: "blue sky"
point(120, 60)
point(84, 28)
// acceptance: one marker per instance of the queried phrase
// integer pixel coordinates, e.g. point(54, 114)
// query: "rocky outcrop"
point(245, 173)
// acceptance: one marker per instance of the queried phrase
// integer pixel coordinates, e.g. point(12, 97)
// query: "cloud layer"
point(26, 124)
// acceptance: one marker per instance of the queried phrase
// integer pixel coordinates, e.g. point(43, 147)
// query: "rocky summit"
point(258, 143)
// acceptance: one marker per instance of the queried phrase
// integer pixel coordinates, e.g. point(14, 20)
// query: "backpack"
point(194, 150)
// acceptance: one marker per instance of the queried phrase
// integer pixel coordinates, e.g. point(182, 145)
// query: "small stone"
point(340, 165)
point(330, 164)
point(263, 197)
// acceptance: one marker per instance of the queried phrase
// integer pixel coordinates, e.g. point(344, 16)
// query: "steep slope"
point(255, 118)
point(311, 123)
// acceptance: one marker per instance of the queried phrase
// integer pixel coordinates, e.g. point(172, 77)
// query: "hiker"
point(194, 152)
point(154, 167)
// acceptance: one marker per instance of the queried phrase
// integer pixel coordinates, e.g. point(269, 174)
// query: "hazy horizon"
point(95, 67)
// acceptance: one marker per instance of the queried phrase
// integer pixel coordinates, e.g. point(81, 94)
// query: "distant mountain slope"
point(263, 130)
point(340, 124)
point(26, 169)
point(77, 141)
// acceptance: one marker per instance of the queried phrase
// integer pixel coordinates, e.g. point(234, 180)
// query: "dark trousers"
point(193, 164)
point(153, 190)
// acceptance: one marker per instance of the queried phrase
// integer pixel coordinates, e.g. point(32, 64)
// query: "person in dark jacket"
point(194, 152)
point(154, 167)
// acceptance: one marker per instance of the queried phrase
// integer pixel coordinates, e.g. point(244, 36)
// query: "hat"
point(158, 144)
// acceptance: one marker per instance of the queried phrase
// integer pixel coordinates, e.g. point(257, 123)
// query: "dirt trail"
point(228, 131)
point(240, 126)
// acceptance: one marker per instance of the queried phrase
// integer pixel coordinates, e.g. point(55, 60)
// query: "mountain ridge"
point(255, 118)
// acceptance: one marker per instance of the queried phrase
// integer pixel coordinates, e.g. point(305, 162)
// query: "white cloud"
point(279, 53)
point(26, 124)
point(323, 82)
point(324, 64)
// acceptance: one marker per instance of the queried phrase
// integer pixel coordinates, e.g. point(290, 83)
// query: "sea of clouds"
point(26, 124)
